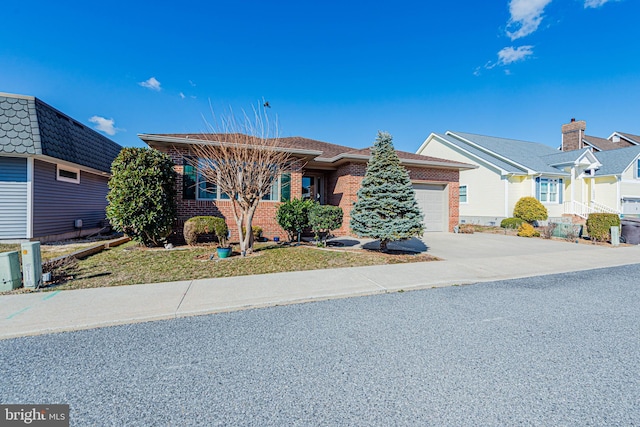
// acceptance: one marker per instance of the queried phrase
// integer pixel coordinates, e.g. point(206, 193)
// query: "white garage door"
point(433, 201)
point(630, 206)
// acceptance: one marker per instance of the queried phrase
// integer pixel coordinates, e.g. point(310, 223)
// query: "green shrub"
point(255, 229)
point(293, 216)
point(527, 230)
point(142, 196)
point(530, 209)
point(324, 219)
point(513, 223)
point(599, 225)
point(200, 225)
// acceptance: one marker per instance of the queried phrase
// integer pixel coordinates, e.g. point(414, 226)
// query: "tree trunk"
point(383, 245)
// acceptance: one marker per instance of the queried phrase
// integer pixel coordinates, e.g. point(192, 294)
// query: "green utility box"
point(31, 264)
point(10, 277)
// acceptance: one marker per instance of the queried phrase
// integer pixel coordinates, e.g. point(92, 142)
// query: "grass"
point(132, 264)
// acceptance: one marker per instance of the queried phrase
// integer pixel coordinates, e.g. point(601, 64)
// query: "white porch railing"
point(583, 211)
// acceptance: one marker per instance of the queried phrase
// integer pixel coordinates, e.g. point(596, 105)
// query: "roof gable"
point(615, 162)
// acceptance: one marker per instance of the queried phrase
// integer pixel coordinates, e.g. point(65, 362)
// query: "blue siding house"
point(53, 172)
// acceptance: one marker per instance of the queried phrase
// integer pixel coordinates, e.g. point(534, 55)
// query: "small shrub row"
point(296, 215)
point(599, 225)
point(527, 230)
point(200, 225)
point(512, 223)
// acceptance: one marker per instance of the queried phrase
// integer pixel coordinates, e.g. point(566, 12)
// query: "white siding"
point(485, 187)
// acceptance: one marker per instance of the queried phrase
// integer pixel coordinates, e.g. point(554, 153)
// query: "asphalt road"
point(545, 351)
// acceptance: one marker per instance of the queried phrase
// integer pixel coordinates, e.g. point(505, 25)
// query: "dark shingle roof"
point(605, 144)
point(634, 138)
point(327, 150)
point(66, 139)
point(29, 126)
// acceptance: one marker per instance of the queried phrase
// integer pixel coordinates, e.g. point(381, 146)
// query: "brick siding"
point(341, 187)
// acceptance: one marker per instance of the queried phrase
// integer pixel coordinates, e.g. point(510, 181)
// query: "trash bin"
point(630, 230)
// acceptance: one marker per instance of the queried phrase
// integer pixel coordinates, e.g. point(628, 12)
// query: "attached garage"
point(631, 206)
point(433, 200)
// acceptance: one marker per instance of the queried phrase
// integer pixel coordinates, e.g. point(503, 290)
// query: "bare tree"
point(243, 157)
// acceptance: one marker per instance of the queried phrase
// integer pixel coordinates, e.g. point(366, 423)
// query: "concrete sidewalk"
point(467, 258)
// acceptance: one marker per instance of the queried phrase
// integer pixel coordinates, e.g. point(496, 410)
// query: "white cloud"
point(526, 16)
point(192, 83)
point(594, 3)
point(509, 55)
point(152, 84)
point(105, 125)
point(182, 95)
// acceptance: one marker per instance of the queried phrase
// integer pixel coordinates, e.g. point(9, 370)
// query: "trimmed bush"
point(256, 230)
point(200, 225)
point(293, 216)
point(324, 219)
point(142, 196)
point(513, 223)
point(527, 230)
point(599, 225)
point(530, 209)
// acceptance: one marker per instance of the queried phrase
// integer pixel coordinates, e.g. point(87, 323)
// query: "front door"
point(312, 188)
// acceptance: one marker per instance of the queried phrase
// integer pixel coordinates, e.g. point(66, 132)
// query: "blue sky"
point(336, 71)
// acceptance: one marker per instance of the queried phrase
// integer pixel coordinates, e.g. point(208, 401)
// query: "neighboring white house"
point(578, 182)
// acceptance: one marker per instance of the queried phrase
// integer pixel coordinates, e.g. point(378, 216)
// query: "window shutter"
point(538, 188)
point(285, 187)
point(188, 180)
point(560, 190)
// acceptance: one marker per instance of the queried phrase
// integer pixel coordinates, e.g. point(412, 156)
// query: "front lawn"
point(132, 264)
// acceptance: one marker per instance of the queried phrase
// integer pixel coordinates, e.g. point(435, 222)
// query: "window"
point(463, 194)
point(549, 190)
point(638, 169)
point(67, 174)
point(195, 185)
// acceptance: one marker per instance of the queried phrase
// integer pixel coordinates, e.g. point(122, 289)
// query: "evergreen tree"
point(386, 207)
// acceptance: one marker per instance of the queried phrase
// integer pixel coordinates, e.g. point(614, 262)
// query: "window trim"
point(218, 194)
point(60, 167)
point(556, 183)
point(466, 194)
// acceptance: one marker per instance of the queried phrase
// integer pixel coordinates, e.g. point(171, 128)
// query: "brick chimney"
point(572, 134)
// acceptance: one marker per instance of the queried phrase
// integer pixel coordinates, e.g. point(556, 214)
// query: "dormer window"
point(616, 138)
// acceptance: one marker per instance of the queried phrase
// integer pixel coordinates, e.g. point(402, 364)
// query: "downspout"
point(506, 196)
point(573, 189)
point(618, 200)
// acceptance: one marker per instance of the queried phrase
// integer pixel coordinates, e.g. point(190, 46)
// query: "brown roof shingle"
point(328, 150)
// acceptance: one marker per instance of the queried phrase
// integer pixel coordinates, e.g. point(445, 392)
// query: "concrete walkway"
point(467, 258)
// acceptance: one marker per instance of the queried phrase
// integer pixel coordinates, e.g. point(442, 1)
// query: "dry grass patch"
point(131, 264)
